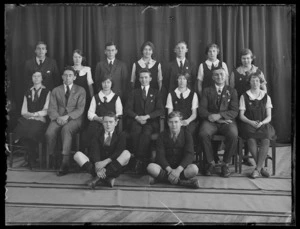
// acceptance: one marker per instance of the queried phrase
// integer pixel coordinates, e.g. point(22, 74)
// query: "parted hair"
point(143, 70)
point(174, 114)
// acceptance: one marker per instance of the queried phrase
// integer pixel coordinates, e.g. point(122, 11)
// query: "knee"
point(191, 171)
point(80, 158)
point(153, 169)
point(66, 131)
point(126, 155)
point(204, 134)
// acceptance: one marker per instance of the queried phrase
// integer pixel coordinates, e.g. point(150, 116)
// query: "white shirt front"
point(70, 87)
point(108, 61)
point(178, 61)
point(38, 60)
point(142, 63)
point(92, 109)
point(219, 88)
point(106, 135)
point(195, 102)
point(146, 88)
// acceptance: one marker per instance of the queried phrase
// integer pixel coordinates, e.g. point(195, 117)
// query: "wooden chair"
point(243, 143)
point(14, 149)
point(217, 137)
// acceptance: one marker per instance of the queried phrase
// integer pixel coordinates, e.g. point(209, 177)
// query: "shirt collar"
point(42, 86)
point(70, 87)
point(146, 87)
point(215, 63)
point(143, 63)
point(106, 133)
point(219, 87)
point(38, 60)
point(178, 61)
point(185, 94)
point(109, 96)
point(108, 60)
point(260, 96)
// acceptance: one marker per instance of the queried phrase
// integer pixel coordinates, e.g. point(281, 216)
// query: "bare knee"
point(191, 171)
point(153, 169)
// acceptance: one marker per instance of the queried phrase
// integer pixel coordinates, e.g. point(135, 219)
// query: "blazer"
point(99, 152)
point(51, 77)
point(119, 74)
point(174, 154)
point(137, 106)
point(173, 71)
point(74, 108)
point(228, 104)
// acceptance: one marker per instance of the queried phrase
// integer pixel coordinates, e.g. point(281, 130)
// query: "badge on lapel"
point(29, 96)
point(48, 72)
point(186, 67)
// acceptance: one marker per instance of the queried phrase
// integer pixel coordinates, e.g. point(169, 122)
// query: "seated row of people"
point(218, 110)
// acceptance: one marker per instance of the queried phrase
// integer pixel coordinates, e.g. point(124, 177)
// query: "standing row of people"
point(218, 104)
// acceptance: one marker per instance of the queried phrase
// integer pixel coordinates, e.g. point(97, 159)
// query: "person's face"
point(255, 82)
point(182, 82)
point(212, 54)
point(111, 52)
point(219, 76)
point(68, 77)
point(77, 58)
point(147, 51)
point(145, 78)
point(40, 50)
point(106, 85)
point(109, 123)
point(37, 78)
point(246, 60)
point(181, 50)
point(174, 124)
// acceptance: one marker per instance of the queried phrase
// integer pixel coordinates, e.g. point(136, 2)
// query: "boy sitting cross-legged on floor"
point(107, 153)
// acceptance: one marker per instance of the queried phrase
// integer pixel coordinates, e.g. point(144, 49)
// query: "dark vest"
point(183, 105)
point(207, 75)
point(102, 108)
point(39, 104)
point(255, 109)
point(154, 75)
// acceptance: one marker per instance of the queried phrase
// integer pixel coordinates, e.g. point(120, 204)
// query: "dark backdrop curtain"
point(266, 30)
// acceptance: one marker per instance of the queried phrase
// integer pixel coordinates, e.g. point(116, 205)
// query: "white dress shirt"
point(178, 61)
point(146, 88)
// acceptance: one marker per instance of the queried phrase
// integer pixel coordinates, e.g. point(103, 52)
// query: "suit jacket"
point(119, 74)
point(174, 154)
point(228, 105)
point(137, 106)
point(173, 71)
point(99, 152)
point(51, 77)
point(75, 106)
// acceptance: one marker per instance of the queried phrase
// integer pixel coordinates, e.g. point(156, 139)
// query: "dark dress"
point(82, 81)
point(30, 128)
point(256, 110)
point(154, 75)
point(184, 106)
point(95, 127)
point(207, 75)
point(241, 81)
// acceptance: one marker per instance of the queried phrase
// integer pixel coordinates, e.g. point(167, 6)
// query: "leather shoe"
point(139, 167)
point(255, 174)
point(247, 162)
point(64, 169)
point(209, 170)
point(192, 183)
point(225, 171)
point(93, 183)
point(110, 181)
point(264, 172)
point(152, 180)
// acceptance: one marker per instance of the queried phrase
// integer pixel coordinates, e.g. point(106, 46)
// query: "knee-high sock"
point(113, 169)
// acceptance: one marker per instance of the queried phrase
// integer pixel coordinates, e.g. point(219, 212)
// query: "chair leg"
point(40, 150)
point(11, 150)
point(77, 141)
point(240, 146)
point(274, 157)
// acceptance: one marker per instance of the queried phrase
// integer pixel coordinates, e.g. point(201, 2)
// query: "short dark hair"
point(245, 52)
point(110, 43)
point(41, 43)
point(80, 52)
point(69, 68)
point(38, 72)
point(174, 114)
point(144, 70)
point(256, 74)
point(218, 68)
point(181, 42)
point(186, 75)
point(110, 114)
point(212, 45)
point(147, 43)
point(107, 76)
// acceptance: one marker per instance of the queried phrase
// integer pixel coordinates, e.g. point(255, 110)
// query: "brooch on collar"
point(187, 67)
point(48, 71)
point(29, 96)
point(151, 95)
point(99, 103)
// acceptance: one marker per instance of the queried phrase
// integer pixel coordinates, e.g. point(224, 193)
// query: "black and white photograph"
point(150, 114)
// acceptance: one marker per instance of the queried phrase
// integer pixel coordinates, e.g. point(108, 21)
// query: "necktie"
point(147, 65)
point(67, 94)
point(36, 96)
point(41, 62)
point(212, 67)
point(181, 66)
point(105, 99)
point(219, 97)
point(144, 93)
point(181, 96)
point(174, 137)
point(107, 140)
point(110, 65)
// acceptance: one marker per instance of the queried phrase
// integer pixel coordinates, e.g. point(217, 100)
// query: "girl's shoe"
point(255, 174)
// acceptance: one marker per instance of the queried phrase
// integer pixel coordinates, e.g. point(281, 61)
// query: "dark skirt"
point(29, 129)
point(266, 131)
